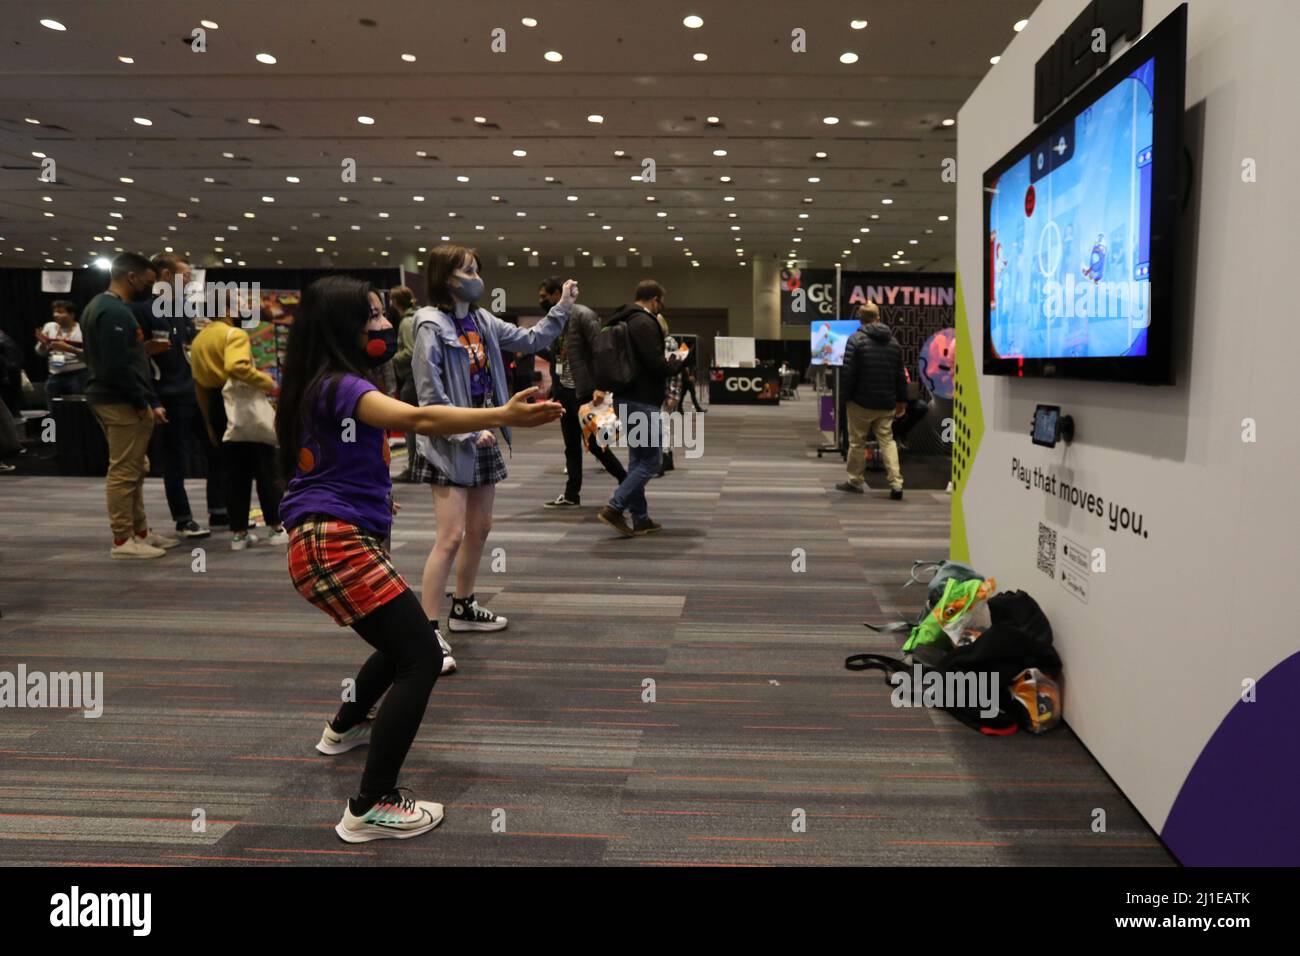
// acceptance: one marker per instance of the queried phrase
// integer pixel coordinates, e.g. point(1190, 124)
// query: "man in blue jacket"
point(874, 386)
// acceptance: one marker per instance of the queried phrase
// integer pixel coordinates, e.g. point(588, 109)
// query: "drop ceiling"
point(207, 182)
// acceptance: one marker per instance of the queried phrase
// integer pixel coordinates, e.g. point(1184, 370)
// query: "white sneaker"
point(158, 541)
point(448, 662)
point(279, 537)
point(133, 547)
point(392, 818)
point(334, 743)
point(239, 544)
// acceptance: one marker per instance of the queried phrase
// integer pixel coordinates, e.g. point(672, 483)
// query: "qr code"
point(1047, 550)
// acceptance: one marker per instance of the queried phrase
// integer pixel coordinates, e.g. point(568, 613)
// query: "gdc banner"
point(744, 386)
point(916, 305)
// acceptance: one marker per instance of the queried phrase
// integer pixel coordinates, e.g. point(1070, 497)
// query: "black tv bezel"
point(1167, 44)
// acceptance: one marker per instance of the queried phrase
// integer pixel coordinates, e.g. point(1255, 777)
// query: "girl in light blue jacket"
point(457, 361)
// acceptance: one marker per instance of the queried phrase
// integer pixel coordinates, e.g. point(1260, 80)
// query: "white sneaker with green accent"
point(334, 743)
point(394, 817)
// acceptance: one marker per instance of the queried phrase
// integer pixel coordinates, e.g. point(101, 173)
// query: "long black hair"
point(322, 348)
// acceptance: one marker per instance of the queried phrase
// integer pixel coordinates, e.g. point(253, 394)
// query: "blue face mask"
point(467, 290)
point(381, 346)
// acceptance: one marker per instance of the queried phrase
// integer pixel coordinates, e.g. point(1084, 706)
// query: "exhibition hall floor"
point(542, 747)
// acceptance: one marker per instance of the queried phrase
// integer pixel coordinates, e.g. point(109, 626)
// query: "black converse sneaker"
point(466, 615)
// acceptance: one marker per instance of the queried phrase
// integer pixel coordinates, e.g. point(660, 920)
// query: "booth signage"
point(744, 386)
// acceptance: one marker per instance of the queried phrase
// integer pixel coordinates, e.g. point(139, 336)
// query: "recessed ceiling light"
point(728, 198)
point(693, 22)
point(943, 218)
point(814, 179)
point(53, 25)
point(408, 57)
point(803, 215)
point(38, 155)
point(830, 120)
point(421, 153)
point(225, 156)
point(719, 152)
point(994, 60)
point(712, 120)
point(383, 215)
point(528, 22)
point(699, 57)
point(849, 57)
point(724, 179)
point(595, 118)
point(619, 153)
point(949, 122)
point(126, 59)
point(142, 121)
point(635, 179)
point(125, 179)
point(911, 242)
point(571, 198)
point(553, 56)
point(521, 214)
point(875, 215)
point(858, 24)
point(662, 215)
point(264, 199)
point(886, 202)
point(34, 122)
point(209, 24)
point(417, 199)
point(266, 58)
point(864, 229)
point(291, 179)
point(119, 199)
point(521, 153)
point(1020, 25)
point(477, 119)
point(462, 179)
point(366, 120)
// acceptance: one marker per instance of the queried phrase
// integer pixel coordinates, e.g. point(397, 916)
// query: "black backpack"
point(1019, 637)
point(613, 367)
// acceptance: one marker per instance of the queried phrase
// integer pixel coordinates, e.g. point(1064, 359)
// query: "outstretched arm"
point(378, 410)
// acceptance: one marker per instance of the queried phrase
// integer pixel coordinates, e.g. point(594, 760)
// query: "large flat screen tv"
point(1080, 225)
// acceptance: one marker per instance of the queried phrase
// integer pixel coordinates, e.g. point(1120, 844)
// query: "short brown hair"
point(443, 261)
point(648, 289)
point(401, 297)
point(868, 312)
point(167, 260)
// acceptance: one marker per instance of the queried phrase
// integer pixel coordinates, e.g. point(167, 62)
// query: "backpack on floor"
point(1018, 639)
point(612, 365)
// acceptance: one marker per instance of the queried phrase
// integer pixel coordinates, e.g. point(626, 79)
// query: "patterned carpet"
point(542, 747)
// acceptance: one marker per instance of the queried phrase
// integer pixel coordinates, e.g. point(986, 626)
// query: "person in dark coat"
point(874, 385)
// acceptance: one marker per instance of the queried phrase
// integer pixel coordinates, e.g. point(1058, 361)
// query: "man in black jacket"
point(573, 388)
point(639, 406)
point(874, 386)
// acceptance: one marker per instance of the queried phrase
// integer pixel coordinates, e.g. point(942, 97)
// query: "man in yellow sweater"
point(219, 353)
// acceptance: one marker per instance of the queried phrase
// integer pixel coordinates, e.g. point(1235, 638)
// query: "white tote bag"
point(249, 414)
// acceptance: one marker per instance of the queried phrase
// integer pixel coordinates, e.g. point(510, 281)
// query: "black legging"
point(407, 659)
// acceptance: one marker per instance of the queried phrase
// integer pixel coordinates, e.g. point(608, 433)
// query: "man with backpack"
point(874, 386)
point(628, 359)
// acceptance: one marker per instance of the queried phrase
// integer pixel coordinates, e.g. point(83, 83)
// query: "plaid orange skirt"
point(342, 569)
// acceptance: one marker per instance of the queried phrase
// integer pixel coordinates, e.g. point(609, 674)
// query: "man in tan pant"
point(127, 429)
point(874, 386)
point(121, 396)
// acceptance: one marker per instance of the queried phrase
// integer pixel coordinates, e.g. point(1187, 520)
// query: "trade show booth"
point(1129, 238)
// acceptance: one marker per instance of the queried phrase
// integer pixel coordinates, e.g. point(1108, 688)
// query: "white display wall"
point(1194, 607)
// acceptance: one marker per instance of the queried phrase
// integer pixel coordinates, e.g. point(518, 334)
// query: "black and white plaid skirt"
point(489, 469)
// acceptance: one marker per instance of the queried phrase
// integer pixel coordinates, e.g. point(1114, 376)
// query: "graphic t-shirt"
point(480, 379)
point(342, 464)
